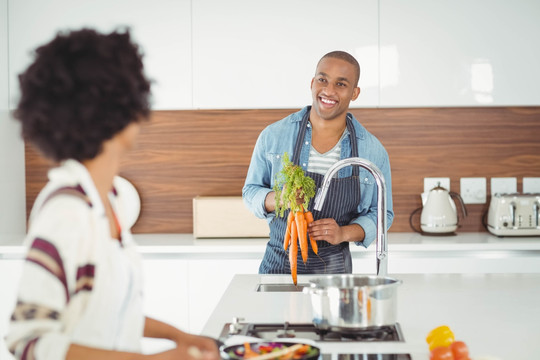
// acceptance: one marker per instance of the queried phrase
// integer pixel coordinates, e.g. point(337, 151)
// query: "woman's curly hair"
point(82, 89)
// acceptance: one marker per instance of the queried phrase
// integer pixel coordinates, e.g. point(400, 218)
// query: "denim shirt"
point(280, 137)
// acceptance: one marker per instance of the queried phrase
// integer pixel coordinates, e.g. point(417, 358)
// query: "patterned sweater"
point(79, 285)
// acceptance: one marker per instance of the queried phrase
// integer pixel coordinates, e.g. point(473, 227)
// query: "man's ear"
point(356, 92)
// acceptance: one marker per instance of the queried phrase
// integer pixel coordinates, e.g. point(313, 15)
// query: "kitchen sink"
point(280, 287)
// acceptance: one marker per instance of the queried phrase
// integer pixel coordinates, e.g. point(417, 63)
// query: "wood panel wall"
point(182, 154)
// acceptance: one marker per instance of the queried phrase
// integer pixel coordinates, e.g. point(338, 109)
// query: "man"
point(315, 138)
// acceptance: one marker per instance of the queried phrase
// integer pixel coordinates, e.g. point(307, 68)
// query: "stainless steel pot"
point(353, 301)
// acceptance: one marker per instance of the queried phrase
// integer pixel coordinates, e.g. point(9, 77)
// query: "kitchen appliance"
point(514, 215)
point(439, 213)
point(353, 302)
point(271, 331)
point(326, 339)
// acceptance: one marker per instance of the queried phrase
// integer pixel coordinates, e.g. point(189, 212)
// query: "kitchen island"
point(495, 314)
point(201, 270)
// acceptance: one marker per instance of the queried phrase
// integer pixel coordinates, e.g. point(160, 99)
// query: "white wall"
point(12, 192)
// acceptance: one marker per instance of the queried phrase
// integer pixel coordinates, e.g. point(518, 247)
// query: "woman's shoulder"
point(61, 217)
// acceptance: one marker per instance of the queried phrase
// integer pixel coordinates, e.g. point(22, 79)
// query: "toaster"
point(514, 215)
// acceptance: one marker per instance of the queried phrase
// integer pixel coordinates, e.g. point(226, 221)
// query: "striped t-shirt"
point(320, 163)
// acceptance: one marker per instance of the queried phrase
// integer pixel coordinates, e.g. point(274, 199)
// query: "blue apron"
point(341, 204)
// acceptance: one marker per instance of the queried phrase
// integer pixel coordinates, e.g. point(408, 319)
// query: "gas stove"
point(311, 332)
point(323, 338)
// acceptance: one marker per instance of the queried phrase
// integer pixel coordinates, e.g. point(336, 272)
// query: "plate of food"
point(266, 350)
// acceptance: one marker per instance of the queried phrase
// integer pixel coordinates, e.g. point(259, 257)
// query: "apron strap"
point(302, 134)
point(300, 138)
point(354, 144)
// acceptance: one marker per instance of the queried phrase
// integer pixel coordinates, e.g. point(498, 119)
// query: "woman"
point(80, 296)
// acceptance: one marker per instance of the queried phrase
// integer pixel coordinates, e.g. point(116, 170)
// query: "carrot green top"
point(292, 182)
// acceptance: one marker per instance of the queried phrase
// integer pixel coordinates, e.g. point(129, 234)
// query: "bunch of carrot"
point(296, 234)
point(290, 186)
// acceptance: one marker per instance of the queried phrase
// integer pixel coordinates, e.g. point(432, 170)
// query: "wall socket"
point(506, 185)
point(531, 185)
point(430, 183)
point(473, 190)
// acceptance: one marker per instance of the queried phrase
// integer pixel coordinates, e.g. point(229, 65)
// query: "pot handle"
point(312, 290)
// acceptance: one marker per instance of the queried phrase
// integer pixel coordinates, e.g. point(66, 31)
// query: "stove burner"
point(285, 333)
point(310, 331)
point(382, 333)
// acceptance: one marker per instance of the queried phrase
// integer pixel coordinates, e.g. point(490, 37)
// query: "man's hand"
point(270, 201)
point(329, 230)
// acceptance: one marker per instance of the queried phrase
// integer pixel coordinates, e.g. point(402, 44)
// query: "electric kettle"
point(439, 213)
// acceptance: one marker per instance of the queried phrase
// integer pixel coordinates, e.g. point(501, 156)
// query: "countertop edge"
point(185, 245)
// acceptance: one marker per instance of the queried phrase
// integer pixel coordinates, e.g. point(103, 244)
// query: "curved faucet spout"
point(382, 241)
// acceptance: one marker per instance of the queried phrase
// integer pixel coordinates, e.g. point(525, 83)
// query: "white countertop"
point(399, 244)
point(495, 314)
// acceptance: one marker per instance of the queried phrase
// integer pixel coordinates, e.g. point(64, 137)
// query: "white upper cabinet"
point(263, 54)
point(214, 54)
point(161, 27)
point(459, 52)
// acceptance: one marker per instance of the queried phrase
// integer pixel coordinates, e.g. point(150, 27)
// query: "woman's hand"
point(188, 346)
point(188, 352)
point(198, 347)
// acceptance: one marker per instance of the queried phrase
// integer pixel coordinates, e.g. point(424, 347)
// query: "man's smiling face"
point(333, 88)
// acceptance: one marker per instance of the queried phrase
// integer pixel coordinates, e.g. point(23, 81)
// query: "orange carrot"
point(314, 245)
point(287, 238)
point(309, 219)
point(293, 252)
point(294, 233)
point(302, 235)
point(248, 352)
point(368, 305)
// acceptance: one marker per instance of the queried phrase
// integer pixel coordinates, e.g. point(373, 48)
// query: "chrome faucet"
point(382, 242)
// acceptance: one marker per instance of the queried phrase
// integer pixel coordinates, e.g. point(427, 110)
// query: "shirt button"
point(308, 125)
point(304, 164)
point(307, 142)
point(366, 179)
point(277, 156)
